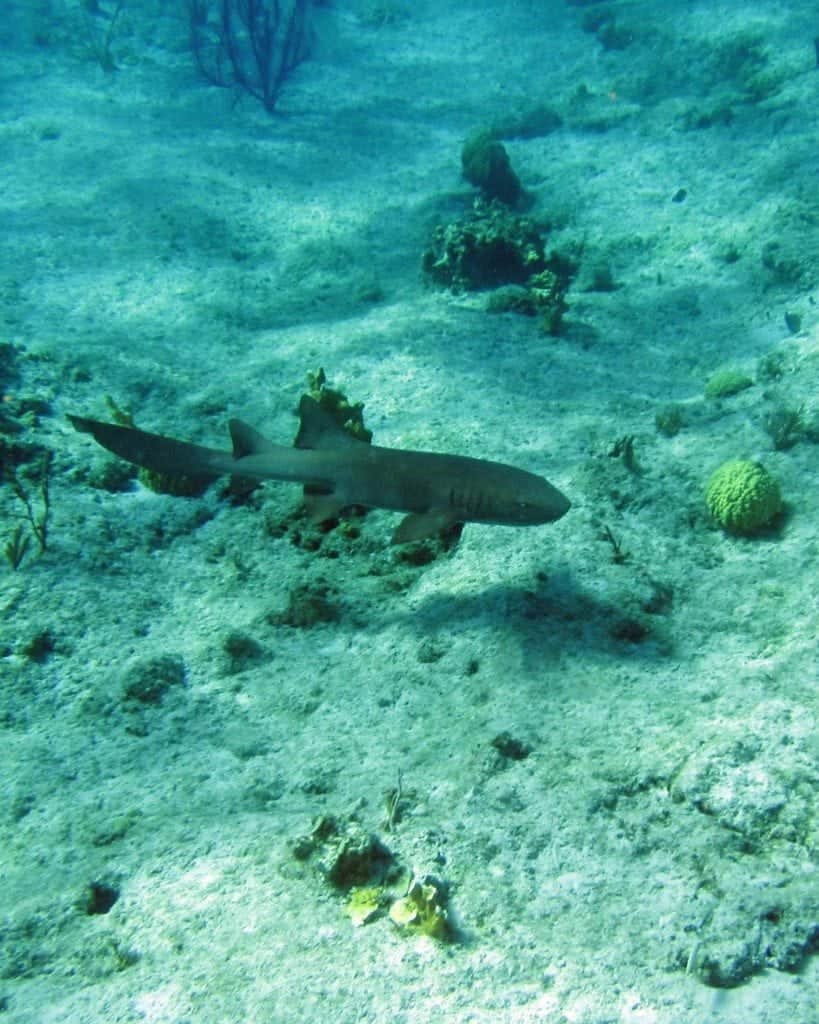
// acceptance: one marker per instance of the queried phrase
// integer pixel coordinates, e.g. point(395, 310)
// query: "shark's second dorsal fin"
point(318, 429)
point(247, 441)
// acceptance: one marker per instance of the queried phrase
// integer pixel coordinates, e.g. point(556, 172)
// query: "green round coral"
point(743, 496)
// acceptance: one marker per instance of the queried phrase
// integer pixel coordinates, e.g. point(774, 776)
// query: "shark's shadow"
point(554, 617)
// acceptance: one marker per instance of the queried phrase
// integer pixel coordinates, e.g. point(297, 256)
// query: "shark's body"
point(337, 470)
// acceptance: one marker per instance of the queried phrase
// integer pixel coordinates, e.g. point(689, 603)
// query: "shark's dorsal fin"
point(247, 441)
point(318, 429)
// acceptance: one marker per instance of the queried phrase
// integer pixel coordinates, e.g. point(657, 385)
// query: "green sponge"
point(743, 496)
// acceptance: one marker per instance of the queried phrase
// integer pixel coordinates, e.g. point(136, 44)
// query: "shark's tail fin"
point(155, 452)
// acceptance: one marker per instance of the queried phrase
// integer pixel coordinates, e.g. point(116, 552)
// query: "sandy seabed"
point(604, 729)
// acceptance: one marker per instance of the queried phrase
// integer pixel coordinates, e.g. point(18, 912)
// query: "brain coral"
point(743, 496)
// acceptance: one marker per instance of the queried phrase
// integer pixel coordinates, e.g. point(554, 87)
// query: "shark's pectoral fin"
point(322, 505)
point(418, 525)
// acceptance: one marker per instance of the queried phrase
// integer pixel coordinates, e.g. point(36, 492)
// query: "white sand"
point(193, 257)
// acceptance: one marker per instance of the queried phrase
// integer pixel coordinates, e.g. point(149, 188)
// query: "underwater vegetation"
point(725, 382)
point(670, 419)
point(101, 27)
point(308, 605)
point(487, 247)
point(18, 544)
point(252, 45)
point(422, 911)
point(358, 864)
point(345, 853)
point(25, 469)
point(491, 247)
point(486, 164)
point(600, 22)
point(785, 425)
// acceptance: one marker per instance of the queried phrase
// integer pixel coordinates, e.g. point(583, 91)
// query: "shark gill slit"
point(469, 503)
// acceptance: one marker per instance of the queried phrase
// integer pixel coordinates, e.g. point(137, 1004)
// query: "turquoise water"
point(573, 765)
